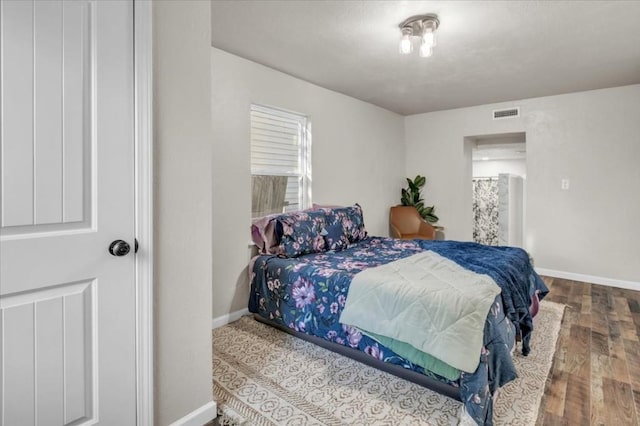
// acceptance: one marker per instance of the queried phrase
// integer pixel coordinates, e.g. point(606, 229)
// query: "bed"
point(311, 260)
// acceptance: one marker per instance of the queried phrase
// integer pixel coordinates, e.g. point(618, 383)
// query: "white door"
point(67, 306)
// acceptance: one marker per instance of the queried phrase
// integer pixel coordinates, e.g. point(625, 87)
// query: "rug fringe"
point(229, 417)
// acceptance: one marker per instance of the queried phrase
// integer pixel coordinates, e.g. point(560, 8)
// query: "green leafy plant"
point(411, 197)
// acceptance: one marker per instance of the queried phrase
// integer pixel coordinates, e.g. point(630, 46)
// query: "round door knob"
point(119, 248)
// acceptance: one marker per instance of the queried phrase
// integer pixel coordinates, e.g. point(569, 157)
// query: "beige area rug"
point(263, 376)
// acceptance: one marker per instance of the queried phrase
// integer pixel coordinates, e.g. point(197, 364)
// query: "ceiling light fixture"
point(423, 26)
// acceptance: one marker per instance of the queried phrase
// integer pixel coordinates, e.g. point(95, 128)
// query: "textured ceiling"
point(488, 51)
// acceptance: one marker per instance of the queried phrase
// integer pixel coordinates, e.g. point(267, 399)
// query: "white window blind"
point(280, 161)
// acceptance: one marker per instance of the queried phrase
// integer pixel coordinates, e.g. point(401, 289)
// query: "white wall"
point(591, 138)
point(491, 168)
point(182, 191)
point(357, 156)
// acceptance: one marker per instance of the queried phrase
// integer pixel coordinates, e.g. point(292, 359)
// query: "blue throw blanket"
point(509, 267)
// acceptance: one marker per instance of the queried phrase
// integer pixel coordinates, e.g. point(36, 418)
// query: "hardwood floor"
point(595, 377)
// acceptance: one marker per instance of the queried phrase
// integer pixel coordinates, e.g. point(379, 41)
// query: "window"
point(280, 161)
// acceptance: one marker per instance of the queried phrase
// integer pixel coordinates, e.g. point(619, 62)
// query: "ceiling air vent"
point(506, 113)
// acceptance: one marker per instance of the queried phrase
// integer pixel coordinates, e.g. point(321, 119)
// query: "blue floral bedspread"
point(307, 294)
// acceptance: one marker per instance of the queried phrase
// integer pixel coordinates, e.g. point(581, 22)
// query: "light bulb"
point(405, 44)
point(429, 37)
point(426, 50)
point(429, 32)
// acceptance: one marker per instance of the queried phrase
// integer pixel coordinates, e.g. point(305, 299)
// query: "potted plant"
point(411, 197)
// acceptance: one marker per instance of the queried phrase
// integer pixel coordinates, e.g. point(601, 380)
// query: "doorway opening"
point(498, 171)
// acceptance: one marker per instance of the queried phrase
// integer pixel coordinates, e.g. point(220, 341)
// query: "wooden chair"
point(406, 223)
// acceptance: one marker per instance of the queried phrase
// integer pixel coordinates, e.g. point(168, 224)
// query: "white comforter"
point(427, 301)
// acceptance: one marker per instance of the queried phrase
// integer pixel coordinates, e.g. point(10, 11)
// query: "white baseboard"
point(198, 417)
point(226, 319)
point(611, 282)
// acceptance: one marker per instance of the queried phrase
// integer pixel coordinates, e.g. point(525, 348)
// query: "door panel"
point(17, 113)
point(49, 354)
point(18, 357)
point(67, 307)
point(50, 357)
point(76, 111)
point(47, 118)
point(47, 104)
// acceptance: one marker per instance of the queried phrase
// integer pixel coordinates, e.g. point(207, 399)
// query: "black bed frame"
point(396, 370)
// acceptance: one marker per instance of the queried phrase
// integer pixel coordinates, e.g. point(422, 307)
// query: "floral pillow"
point(334, 237)
point(351, 220)
point(263, 232)
point(301, 233)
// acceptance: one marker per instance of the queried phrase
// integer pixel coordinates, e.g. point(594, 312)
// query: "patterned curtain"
point(485, 211)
